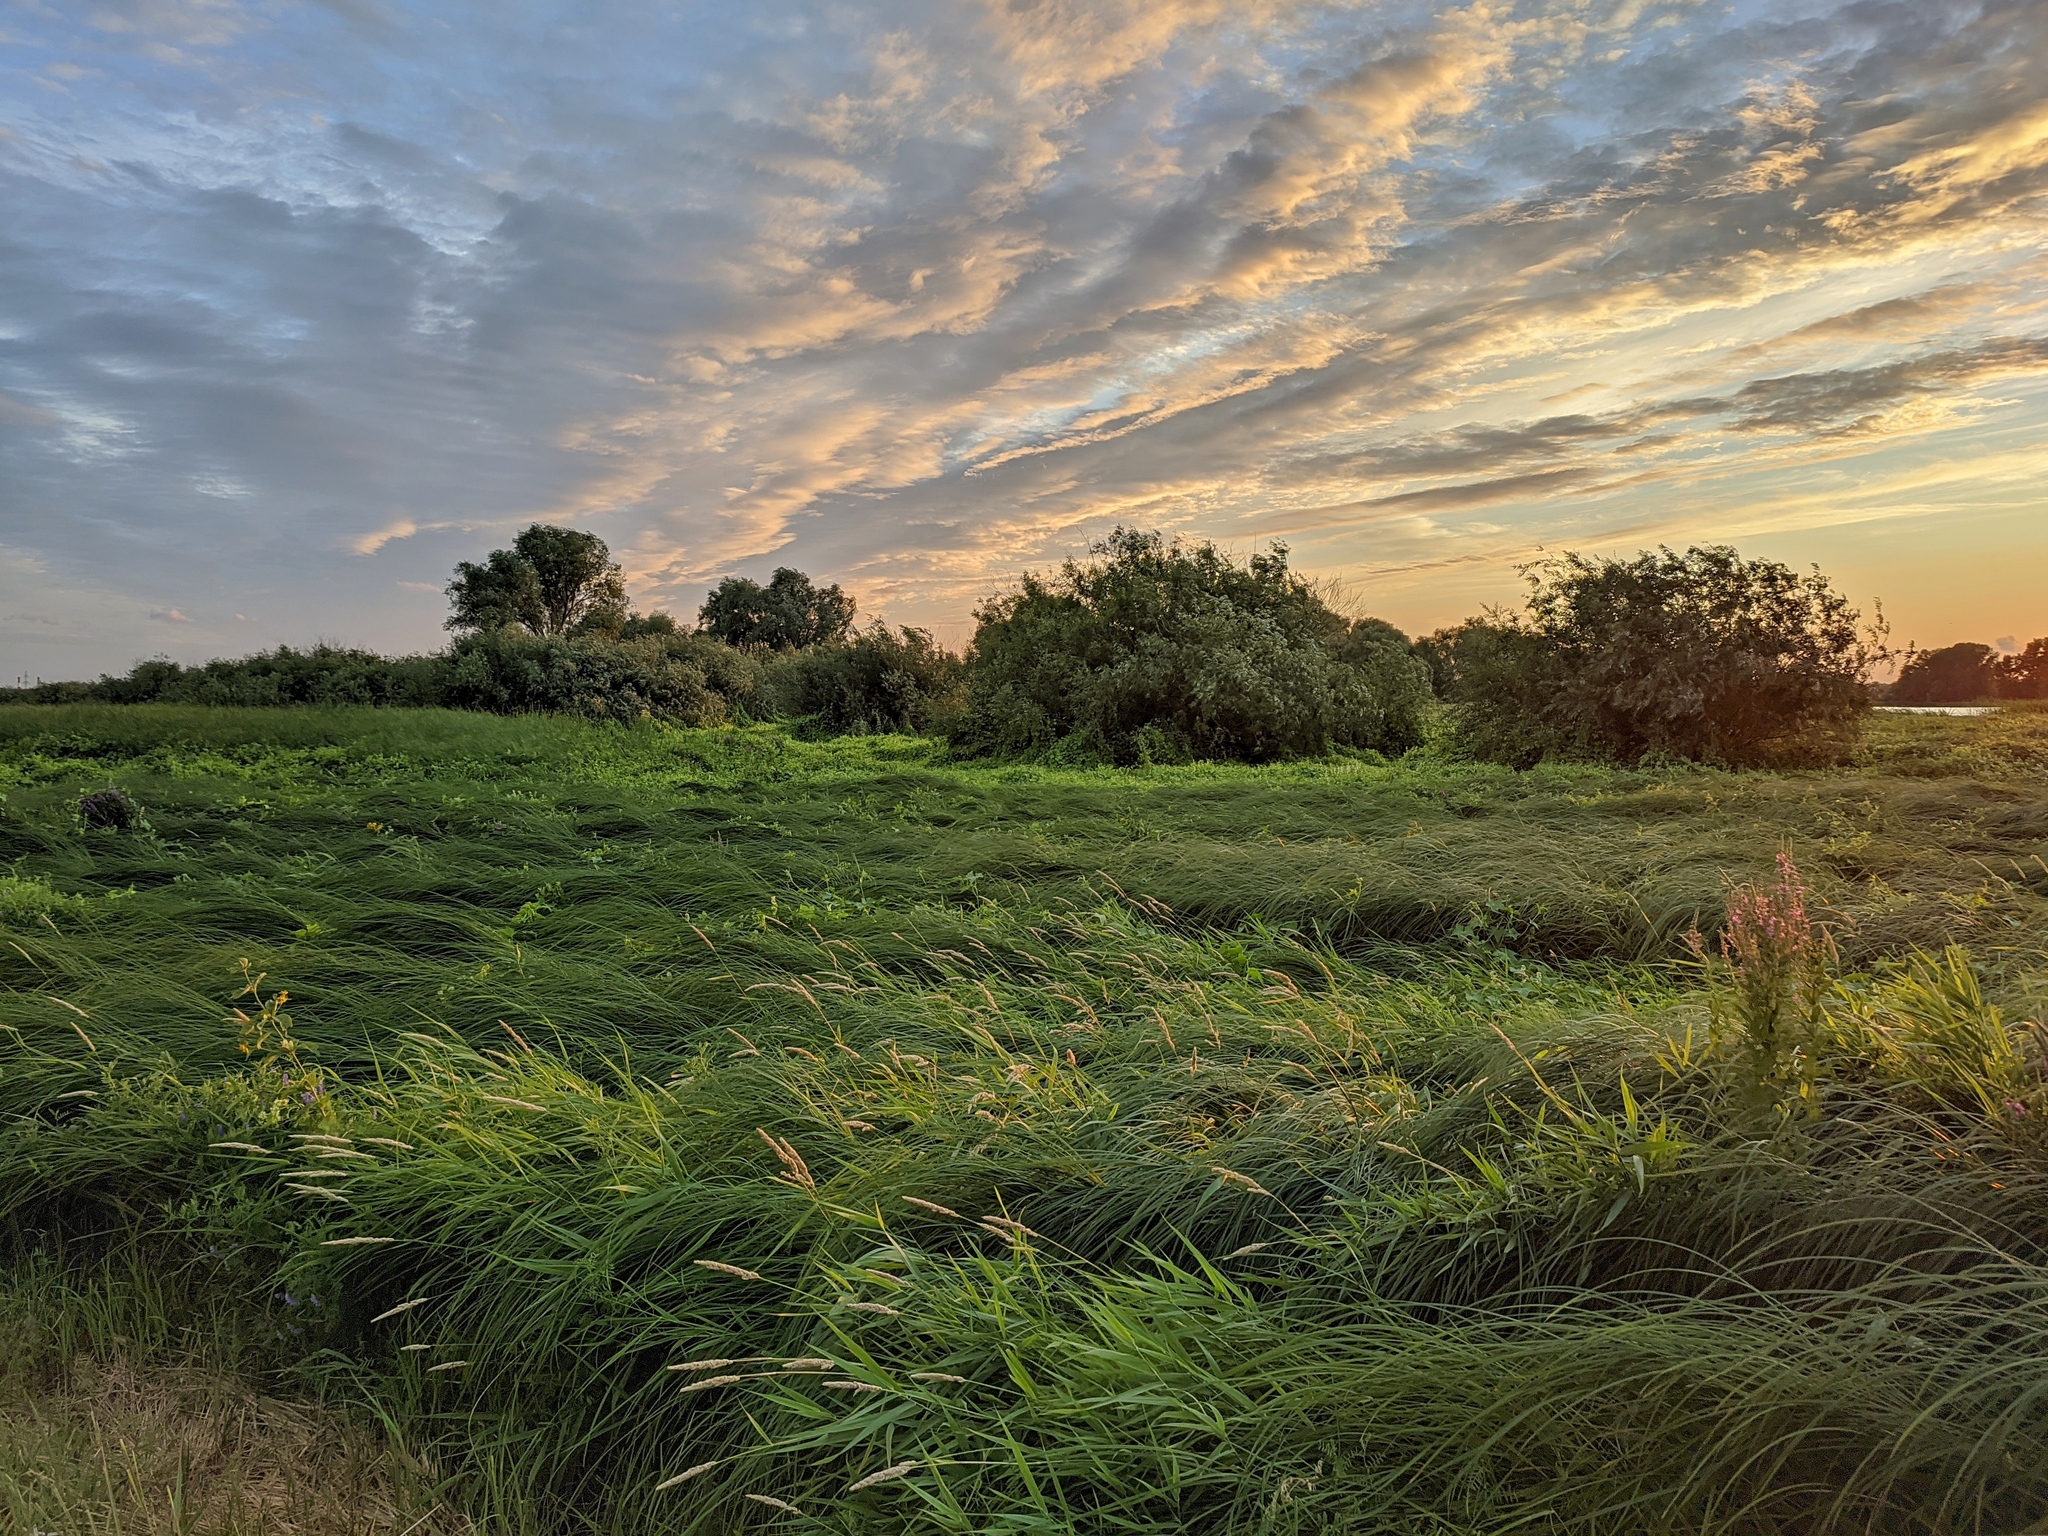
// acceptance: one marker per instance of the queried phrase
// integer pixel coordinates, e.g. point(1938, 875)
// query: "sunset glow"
point(301, 305)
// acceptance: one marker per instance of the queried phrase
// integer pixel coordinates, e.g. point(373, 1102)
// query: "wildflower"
point(2018, 1109)
point(886, 1475)
point(684, 1476)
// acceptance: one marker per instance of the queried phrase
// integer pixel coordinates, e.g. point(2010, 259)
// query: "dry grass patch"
point(118, 1447)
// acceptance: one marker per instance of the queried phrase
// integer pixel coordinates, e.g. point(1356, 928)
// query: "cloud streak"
point(297, 307)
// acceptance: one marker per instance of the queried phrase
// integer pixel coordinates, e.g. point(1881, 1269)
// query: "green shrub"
point(880, 681)
point(320, 674)
point(678, 678)
point(1157, 652)
point(1701, 656)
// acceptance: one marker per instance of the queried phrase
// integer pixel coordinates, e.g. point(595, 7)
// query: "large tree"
point(790, 613)
point(1955, 674)
point(552, 581)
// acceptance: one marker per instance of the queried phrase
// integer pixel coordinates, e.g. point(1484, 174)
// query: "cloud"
point(912, 294)
point(168, 616)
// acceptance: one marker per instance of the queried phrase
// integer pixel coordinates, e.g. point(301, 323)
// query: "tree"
point(2025, 675)
point(787, 614)
point(1955, 674)
point(1153, 651)
point(552, 581)
point(1702, 656)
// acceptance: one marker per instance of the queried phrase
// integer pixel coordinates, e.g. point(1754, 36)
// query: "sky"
point(303, 301)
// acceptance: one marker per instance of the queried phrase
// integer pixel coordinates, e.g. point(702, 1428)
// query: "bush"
point(1174, 653)
point(1701, 656)
point(878, 682)
point(323, 674)
point(678, 678)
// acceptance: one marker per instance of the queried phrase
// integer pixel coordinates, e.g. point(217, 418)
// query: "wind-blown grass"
point(1088, 1185)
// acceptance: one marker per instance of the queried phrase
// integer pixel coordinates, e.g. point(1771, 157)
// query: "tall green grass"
point(1330, 1147)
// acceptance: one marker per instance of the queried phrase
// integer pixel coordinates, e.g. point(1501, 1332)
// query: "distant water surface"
point(1939, 709)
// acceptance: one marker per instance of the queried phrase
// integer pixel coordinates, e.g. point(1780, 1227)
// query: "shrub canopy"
point(788, 614)
point(1173, 652)
point(878, 681)
point(1701, 656)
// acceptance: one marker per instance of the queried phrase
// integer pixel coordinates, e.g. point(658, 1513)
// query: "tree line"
point(1971, 674)
point(1146, 651)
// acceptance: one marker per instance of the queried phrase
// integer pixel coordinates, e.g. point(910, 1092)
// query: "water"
point(1939, 709)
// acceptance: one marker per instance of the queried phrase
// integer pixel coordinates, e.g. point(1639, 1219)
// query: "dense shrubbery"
point(1153, 652)
point(878, 681)
point(1158, 652)
point(1702, 656)
point(684, 679)
point(321, 674)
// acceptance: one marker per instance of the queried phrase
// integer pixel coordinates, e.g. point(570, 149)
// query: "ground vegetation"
point(638, 1128)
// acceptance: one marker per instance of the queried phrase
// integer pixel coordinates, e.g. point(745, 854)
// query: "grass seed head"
point(886, 1475)
point(772, 1502)
point(726, 1269)
point(929, 1205)
point(684, 1476)
point(711, 1381)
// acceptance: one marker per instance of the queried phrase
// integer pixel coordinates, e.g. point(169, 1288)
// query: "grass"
point(1337, 1146)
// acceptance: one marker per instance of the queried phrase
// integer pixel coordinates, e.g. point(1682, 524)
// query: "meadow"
point(451, 1122)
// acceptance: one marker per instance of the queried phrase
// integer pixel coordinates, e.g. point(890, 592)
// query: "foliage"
point(790, 613)
point(552, 582)
point(2024, 675)
point(322, 675)
point(1269, 1217)
point(1770, 985)
point(1170, 653)
point(1701, 656)
point(1956, 674)
point(877, 681)
point(672, 677)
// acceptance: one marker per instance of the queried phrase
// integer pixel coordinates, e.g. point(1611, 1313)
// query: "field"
point(705, 1131)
